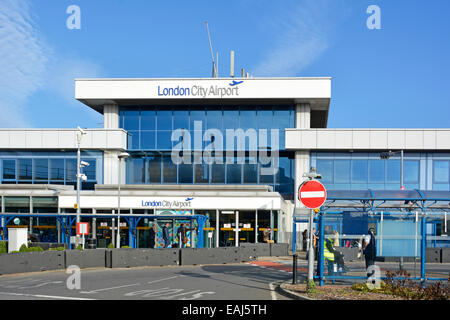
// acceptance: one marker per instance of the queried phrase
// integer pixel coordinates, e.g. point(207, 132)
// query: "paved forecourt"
point(243, 281)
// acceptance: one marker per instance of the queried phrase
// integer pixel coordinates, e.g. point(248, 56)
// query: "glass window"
point(24, 169)
point(198, 115)
point(131, 120)
point(393, 171)
point(281, 119)
point(56, 169)
point(411, 171)
point(201, 173)
point(376, 171)
point(164, 140)
point(341, 171)
point(266, 173)
point(265, 118)
point(40, 172)
point(360, 171)
point(9, 169)
point(137, 167)
point(214, 119)
point(71, 170)
point(250, 170)
point(440, 171)
point(169, 170)
point(248, 119)
point(133, 140)
point(154, 169)
point(181, 119)
point(325, 168)
point(234, 173)
point(230, 119)
point(148, 120)
point(164, 120)
point(217, 173)
point(185, 171)
point(284, 170)
point(148, 140)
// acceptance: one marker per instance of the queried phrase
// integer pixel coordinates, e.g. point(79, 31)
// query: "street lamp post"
point(80, 134)
point(122, 155)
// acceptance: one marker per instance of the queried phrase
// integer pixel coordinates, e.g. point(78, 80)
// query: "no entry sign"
point(82, 228)
point(312, 194)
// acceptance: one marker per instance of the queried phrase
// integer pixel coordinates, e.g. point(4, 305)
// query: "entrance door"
point(227, 234)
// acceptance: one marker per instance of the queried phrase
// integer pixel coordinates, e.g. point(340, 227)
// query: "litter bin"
point(92, 243)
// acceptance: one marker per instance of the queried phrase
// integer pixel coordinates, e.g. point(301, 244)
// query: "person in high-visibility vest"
point(331, 254)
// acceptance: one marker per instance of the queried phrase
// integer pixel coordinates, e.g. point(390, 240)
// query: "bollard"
point(294, 269)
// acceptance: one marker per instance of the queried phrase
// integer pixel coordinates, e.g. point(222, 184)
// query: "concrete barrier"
point(279, 249)
point(433, 255)
point(31, 261)
point(445, 255)
point(95, 258)
point(210, 255)
point(261, 249)
point(125, 258)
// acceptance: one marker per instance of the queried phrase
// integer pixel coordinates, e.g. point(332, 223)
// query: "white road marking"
point(104, 289)
point(159, 280)
point(41, 284)
point(42, 296)
point(272, 291)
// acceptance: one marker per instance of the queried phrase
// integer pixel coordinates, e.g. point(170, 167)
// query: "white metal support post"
point(123, 155)
point(80, 134)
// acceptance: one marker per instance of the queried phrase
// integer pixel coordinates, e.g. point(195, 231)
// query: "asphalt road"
point(213, 282)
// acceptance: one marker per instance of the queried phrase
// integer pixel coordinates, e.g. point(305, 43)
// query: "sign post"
point(82, 229)
point(312, 194)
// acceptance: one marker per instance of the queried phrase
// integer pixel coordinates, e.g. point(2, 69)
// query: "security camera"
point(84, 164)
point(81, 130)
point(83, 177)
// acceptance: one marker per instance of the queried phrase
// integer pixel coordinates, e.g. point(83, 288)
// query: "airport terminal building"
point(230, 150)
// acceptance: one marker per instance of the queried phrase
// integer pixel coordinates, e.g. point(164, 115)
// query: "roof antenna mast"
point(214, 67)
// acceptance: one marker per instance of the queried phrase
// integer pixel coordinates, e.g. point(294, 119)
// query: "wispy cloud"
point(23, 59)
point(299, 36)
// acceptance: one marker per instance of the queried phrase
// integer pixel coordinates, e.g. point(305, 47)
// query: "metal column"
point(236, 232)
point(217, 228)
point(256, 226)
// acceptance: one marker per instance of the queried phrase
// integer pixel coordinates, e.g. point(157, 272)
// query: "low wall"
point(86, 258)
point(445, 255)
point(260, 249)
point(125, 258)
point(433, 255)
point(210, 256)
point(31, 261)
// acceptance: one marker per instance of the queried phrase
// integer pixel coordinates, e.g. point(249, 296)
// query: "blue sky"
point(396, 77)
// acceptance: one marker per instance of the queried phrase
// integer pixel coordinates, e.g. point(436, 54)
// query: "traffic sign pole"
point(312, 194)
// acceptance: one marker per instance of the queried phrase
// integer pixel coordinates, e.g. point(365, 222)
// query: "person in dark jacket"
point(181, 233)
point(152, 237)
point(165, 234)
point(369, 248)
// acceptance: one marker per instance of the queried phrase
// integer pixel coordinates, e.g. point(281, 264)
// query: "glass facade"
point(48, 168)
point(352, 171)
point(213, 130)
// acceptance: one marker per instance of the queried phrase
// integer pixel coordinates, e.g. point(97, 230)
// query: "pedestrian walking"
point(165, 234)
point(182, 235)
point(152, 237)
point(369, 248)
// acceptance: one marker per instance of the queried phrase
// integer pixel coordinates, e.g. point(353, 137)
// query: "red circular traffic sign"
point(312, 194)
